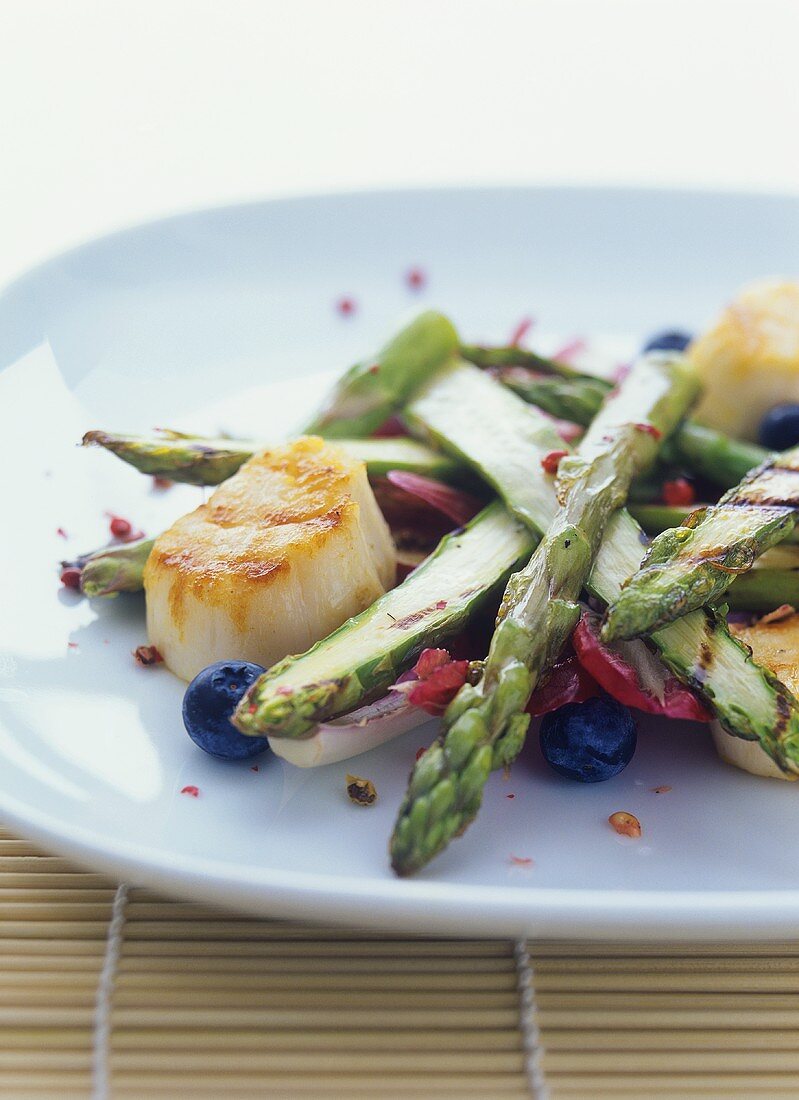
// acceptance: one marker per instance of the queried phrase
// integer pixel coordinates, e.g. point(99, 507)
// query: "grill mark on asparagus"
point(418, 616)
point(706, 655)
point(783, 708)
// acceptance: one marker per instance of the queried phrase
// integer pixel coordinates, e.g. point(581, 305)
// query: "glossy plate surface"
point(225, 320)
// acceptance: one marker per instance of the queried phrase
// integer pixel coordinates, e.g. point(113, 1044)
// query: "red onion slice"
point(455, 504)
point(352, 734)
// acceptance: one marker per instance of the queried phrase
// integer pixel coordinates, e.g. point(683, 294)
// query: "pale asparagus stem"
point(197, 460)
point(485, 725)
point(695, 564)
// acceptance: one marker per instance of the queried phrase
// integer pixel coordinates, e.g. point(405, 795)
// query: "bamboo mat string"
point(528, 1021)
point(101, 1033)
point(121, 994)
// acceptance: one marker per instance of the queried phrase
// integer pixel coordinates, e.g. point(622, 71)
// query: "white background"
point(112, 112)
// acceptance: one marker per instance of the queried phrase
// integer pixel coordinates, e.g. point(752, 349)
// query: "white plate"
point(170, 323)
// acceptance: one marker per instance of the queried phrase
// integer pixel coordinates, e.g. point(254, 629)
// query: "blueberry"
point(208, 704)
point(668, 341)
point(589, 741)
point(779, 428)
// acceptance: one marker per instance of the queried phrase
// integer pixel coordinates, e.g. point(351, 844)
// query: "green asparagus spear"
point(193, 460)
point(748, 700)
point(702, 450)
point(711, 454)
point(689, 566)
point(655, 518)
point(498, 358)
point(486, 724)
point(764, 590)
point(364, 656)
point(115, 569)
point(368, 393)
point(575, 399)
point(197, 460)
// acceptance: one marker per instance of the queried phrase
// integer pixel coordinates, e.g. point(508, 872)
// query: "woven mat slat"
point(207, 1003)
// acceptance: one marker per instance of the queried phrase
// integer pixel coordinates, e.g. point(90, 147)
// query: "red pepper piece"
point(633, 675)
point(551, 461)
point(677, 492)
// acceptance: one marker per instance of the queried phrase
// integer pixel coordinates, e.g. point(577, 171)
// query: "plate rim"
point(124, 228)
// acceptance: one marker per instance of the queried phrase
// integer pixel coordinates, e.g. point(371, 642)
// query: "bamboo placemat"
point(110, 992)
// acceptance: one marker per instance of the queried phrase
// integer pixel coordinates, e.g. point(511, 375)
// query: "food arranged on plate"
point(488, 536)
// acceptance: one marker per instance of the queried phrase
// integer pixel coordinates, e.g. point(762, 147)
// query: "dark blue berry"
point(208, 704)
point(668, 341)
point(779, 428)
point(589, 741)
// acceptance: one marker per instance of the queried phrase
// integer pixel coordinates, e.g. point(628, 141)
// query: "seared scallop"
point(280, 555)
point(749, 360)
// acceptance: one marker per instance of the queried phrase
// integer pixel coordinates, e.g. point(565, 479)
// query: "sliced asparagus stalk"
point(364, 656)
point(114, 569)
point(485, 725)
point(368, 393)
point(748, 700)
point(494, 431)
point(197, 460)
point(689, 566)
